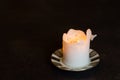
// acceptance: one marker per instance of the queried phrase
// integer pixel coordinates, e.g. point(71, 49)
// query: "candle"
point(75, 48)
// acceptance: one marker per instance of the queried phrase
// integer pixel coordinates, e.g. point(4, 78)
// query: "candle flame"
point(74, 36)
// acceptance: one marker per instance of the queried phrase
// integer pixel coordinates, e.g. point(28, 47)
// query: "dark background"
point(31, 30)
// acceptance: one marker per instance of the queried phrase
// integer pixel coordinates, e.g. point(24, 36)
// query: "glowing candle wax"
point(75, 48)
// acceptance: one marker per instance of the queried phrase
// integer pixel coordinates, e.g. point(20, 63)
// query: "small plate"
point(56, 59)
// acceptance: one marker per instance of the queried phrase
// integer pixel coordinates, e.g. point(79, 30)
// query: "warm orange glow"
point(74, 36)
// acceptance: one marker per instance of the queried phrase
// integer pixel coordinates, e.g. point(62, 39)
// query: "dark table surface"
point(31, 30)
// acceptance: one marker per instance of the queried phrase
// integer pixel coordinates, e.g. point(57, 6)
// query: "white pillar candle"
point(75, 48)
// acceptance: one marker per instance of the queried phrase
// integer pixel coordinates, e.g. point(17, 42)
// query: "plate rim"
point(73, 69)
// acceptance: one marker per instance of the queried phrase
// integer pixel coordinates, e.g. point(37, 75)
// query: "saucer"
point(56, 59)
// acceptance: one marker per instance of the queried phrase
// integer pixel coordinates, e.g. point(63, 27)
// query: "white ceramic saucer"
point(56, 59)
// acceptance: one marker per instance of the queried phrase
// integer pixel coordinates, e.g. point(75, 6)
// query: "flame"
point(74, 36)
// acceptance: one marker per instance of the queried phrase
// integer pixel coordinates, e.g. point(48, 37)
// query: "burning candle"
point(75, 48)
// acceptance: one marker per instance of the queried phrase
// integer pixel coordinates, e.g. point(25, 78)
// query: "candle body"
point(76, 54)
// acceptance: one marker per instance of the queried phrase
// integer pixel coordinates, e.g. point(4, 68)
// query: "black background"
point(31, 30)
